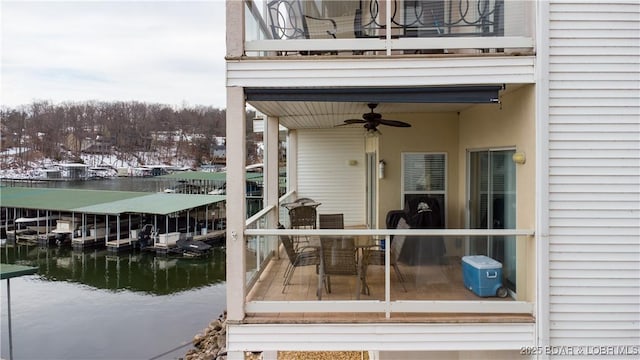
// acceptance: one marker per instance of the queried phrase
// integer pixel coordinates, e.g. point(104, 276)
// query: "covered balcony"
point(388, 27)
point(460, 162)
point(458, 135)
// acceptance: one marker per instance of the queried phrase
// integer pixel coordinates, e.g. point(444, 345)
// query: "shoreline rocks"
point(212, 342)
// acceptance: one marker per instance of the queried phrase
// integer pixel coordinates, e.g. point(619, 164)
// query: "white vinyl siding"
point(311, 72)
point(594, 173)
point(331, 170)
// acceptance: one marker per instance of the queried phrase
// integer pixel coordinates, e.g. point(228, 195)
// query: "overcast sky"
point(169, 52)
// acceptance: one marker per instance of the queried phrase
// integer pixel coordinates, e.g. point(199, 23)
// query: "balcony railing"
point(379, 27)
point(390, 285)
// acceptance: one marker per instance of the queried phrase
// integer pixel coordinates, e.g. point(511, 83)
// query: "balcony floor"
point(425, 282)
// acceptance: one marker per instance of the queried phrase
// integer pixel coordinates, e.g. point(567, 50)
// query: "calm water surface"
point(94, 304)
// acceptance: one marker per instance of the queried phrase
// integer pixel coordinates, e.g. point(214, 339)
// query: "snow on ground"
point(13, 166)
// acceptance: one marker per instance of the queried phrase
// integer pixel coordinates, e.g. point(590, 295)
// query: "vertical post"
point(387, 275)
point(106, 231)
point(9, 320)
point(236, 202)
point(292, 160)
point(118, 231)
point(388, 23)
point(272, 175)
point(236, 176)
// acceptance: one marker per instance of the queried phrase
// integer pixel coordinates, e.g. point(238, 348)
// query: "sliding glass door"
point(492, 205)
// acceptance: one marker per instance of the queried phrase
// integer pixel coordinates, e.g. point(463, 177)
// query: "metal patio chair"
point(331, 221)
point(339, 258)
point(375, 255)
point(303, 256)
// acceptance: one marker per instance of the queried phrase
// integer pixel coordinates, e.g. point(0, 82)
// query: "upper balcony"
point(388, 27)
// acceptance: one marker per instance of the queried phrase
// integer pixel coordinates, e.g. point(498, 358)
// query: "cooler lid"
point(482, 262)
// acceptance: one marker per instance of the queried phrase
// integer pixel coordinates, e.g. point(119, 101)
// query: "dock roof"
point(207, 176)
point(102, 201)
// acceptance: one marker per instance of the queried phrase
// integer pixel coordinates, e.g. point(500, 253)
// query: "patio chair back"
point(303, 217)
point(331, 221)
point(339, 259)
point(339, 256)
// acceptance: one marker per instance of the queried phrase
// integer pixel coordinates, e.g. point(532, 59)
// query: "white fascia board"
point(380, 337)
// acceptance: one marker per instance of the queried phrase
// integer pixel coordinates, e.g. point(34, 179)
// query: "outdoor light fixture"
point(381, 169)
point(519, 158)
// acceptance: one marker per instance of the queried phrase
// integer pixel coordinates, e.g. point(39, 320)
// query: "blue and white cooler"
point(483, 275)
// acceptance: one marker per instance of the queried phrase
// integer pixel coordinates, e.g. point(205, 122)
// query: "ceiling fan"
point(372, 119)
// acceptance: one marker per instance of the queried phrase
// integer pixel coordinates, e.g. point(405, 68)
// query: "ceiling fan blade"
point(354, 121)
point(395, 123)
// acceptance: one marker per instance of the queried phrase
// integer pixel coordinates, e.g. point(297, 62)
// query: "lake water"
point(94, 304)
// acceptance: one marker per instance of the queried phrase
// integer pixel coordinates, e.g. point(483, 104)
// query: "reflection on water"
point(135, 271)
point(95, 304)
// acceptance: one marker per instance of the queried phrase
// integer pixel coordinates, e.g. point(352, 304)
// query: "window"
point(425, 175)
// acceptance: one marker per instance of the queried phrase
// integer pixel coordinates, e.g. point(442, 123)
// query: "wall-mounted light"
point(519, 158)
point(381, 169)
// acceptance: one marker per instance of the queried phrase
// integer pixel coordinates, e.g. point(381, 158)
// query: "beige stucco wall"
point(511, 125)
point(484, 126)
point(428, 133)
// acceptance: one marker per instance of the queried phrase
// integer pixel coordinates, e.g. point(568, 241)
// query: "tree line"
point(60, 131)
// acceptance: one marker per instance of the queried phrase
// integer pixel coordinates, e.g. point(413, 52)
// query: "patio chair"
point(302, 217)
point(331, 221)
point(375, 256)
point(303, 256)
point(288, 22)
point(339, 258)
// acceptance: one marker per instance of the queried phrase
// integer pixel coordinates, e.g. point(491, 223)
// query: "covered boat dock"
point(113, 219)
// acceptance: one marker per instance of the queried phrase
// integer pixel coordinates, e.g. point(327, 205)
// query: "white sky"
point(168, 52)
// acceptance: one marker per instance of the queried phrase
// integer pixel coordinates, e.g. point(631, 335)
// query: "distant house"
point(98, 145)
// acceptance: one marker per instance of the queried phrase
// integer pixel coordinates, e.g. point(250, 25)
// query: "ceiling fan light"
point(372, 133)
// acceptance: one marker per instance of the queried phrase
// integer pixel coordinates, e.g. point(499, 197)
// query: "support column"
point(272, 178)
point(236, 176)
point(271, 163)
point(292, 161)
point(236, 202)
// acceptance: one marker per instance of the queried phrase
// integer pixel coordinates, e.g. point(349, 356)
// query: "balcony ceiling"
point(323, 108)
point(315, 114)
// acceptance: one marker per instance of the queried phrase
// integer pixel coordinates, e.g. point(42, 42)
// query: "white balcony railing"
point(376, 27)
point(386, 294)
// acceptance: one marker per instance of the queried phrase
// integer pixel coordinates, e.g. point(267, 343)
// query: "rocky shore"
point(211, 343)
